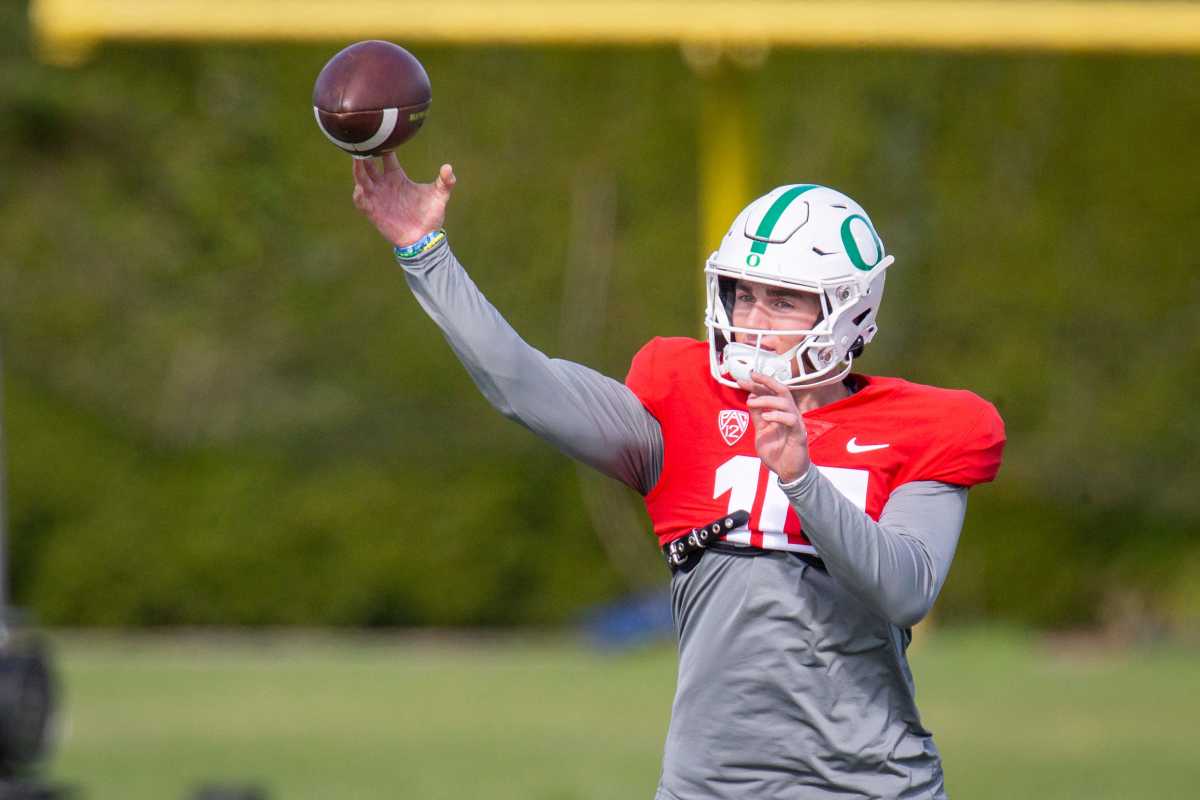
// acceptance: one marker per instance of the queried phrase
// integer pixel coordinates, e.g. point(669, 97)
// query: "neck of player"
point(808, 399)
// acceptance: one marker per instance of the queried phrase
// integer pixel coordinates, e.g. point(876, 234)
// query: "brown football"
point(371, 97)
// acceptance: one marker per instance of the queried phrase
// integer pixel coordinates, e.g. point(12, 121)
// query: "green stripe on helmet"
point(767, 224)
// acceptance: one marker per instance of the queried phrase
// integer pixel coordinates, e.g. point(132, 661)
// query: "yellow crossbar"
point(67, 29)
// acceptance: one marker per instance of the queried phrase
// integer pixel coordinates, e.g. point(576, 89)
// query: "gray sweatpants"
point(789, 688)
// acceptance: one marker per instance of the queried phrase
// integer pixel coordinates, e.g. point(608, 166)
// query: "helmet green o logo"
point(851, 245)
point(752, 260)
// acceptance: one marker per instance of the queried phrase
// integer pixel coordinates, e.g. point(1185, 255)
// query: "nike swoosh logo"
point(853, 446)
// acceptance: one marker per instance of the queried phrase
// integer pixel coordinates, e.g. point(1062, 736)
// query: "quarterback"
point(809, 513)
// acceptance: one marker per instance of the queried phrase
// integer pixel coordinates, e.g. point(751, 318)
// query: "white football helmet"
point(807, 238)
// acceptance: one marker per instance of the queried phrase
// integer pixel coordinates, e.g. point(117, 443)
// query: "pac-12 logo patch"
point(732, 424)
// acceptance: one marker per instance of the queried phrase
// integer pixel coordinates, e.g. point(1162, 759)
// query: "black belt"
point(684, 553)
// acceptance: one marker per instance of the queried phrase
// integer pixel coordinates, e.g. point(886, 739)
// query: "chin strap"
point(829, 379)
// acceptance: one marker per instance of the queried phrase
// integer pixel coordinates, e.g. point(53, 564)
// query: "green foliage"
point(223, 406)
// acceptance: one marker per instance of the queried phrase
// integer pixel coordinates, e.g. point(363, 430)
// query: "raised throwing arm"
point(587, 415)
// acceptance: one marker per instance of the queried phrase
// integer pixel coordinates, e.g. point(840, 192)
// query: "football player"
point(809, 513)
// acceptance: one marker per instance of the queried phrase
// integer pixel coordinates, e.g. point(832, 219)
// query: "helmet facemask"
point(815, 360)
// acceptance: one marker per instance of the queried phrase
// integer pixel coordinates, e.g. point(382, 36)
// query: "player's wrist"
point(794, 479)
point(793, 470)
point(420, 247)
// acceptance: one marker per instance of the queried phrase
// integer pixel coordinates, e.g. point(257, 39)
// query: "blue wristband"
point(421, 246)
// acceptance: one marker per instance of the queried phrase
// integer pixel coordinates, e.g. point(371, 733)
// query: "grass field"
point(527, 718)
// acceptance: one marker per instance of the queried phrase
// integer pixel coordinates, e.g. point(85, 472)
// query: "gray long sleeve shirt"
point(793, 682)
point(895, 566)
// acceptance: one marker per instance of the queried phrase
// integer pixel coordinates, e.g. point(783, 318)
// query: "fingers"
point(372, 171)
point(754, 387)
point(362, 185)
point(761, 386)
point(769, 402)
point(759, 383)
point(392, 164)
point(365, 173)
point(445, 179)
point(788, 419)
point(769, 408)
point(770, 384)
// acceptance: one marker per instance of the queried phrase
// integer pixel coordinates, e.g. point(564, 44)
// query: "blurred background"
point(278, 540)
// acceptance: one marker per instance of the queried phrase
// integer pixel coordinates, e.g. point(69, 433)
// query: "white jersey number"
point(741, 478)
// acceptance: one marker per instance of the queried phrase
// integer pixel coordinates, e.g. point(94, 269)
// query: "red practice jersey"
point(886, 434)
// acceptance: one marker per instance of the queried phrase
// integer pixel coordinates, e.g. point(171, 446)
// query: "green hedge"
point(223, 406)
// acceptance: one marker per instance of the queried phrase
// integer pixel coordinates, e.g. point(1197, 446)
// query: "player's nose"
point(756, 317)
